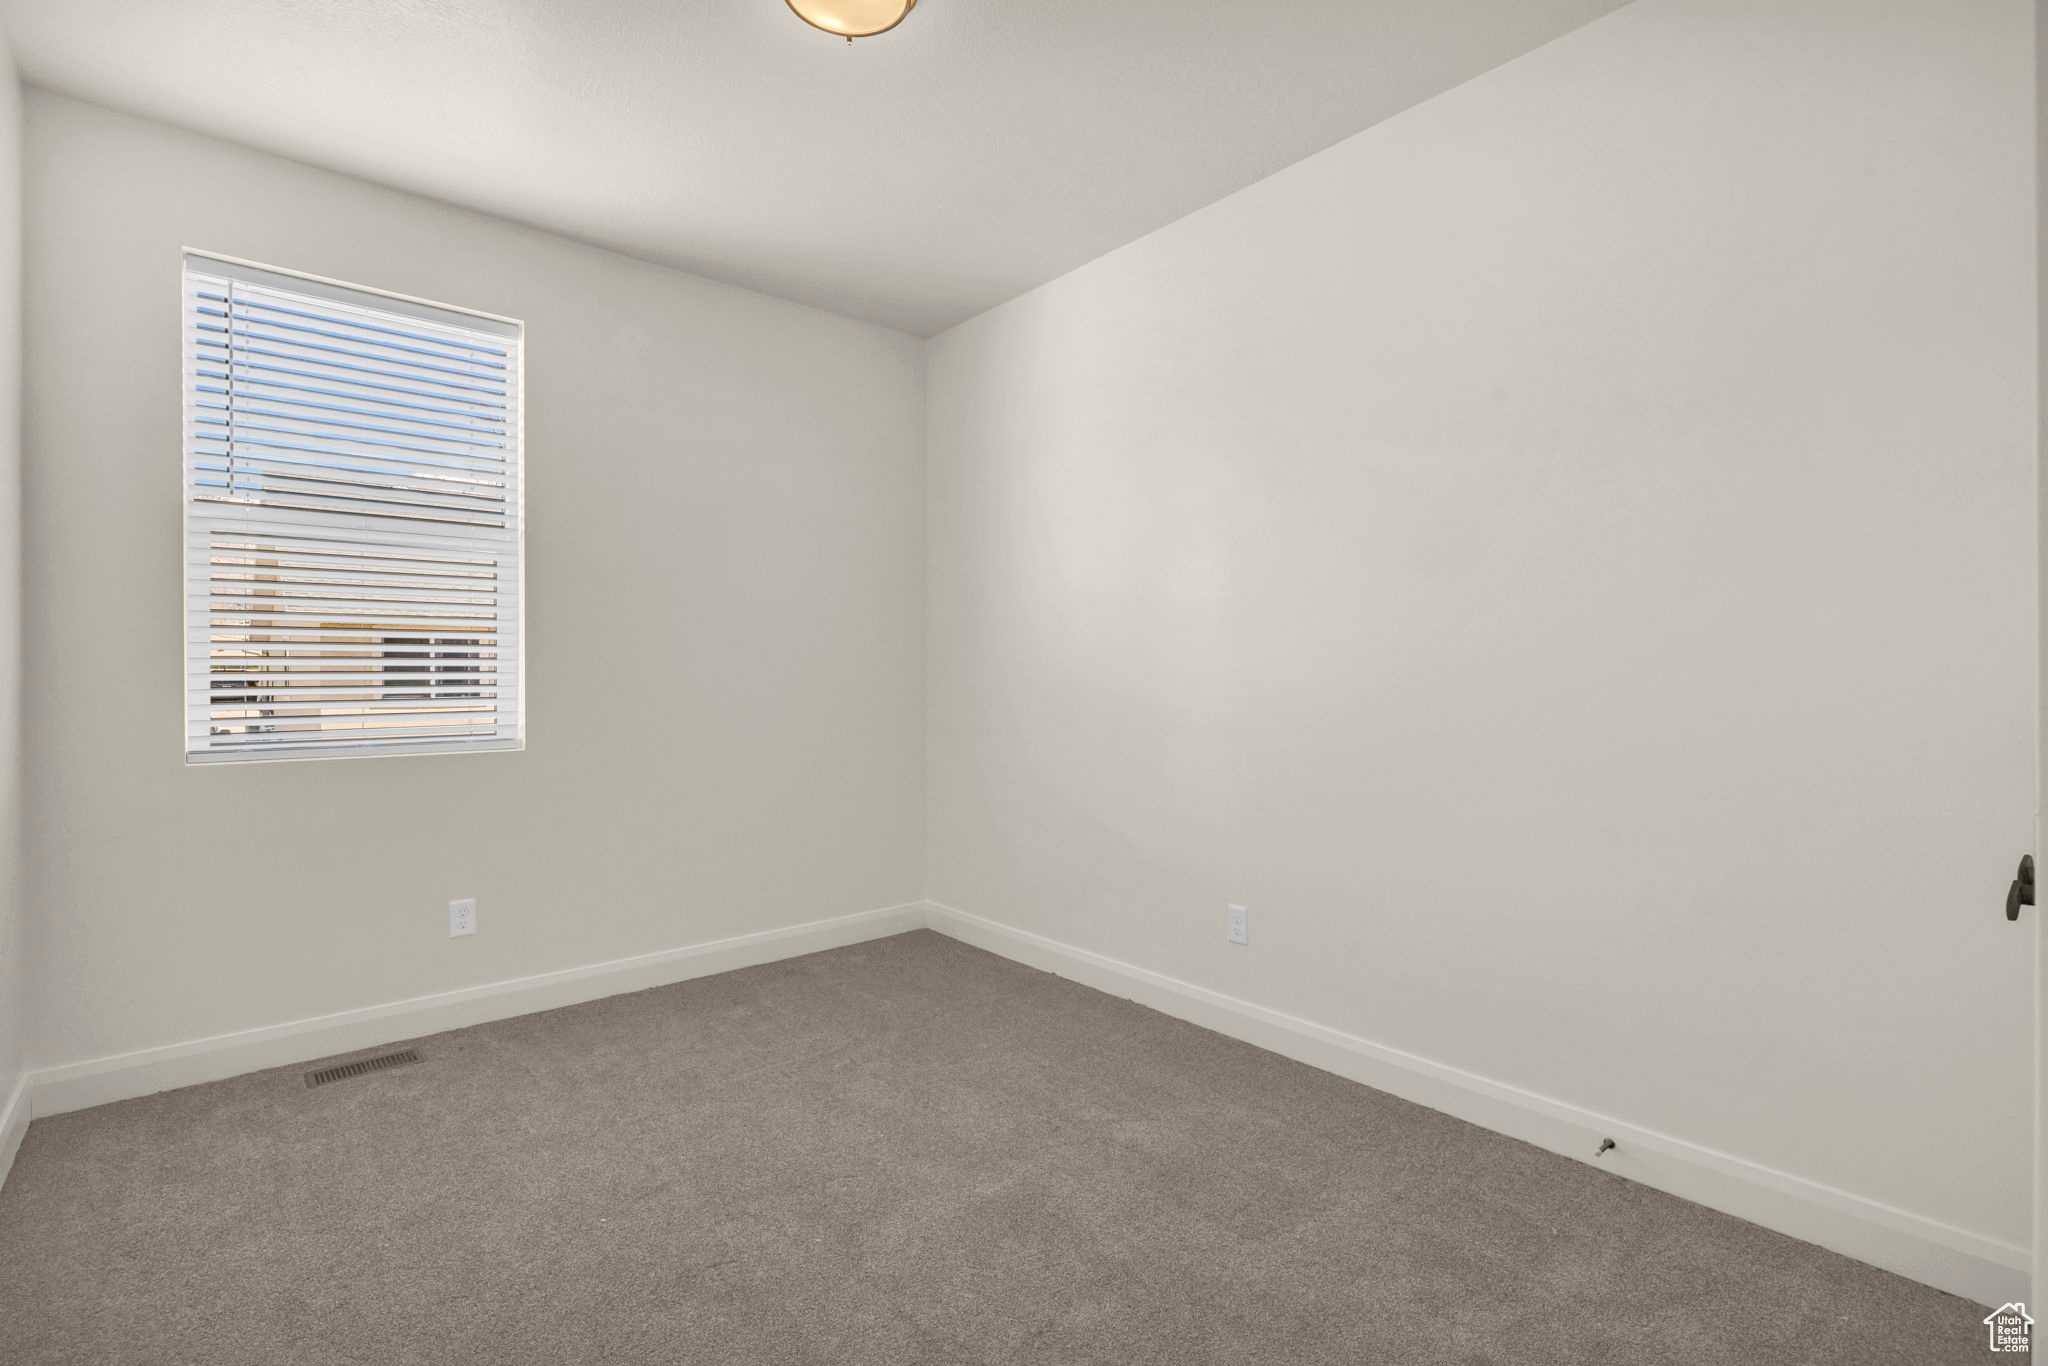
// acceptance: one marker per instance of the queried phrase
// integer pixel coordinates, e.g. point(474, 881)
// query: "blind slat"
point(245, 312)
point(257, 303)
point(228, 337)
point(240, 368)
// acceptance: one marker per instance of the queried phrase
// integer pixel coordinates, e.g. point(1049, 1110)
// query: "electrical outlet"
point(462, 917)
point(1238, 925)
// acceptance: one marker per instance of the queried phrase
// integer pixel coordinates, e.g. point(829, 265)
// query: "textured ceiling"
point(913, 179)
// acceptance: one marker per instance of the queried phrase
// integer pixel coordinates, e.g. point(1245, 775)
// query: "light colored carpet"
point(903, 1152)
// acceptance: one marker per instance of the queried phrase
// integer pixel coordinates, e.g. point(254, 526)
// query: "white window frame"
point(202, 519)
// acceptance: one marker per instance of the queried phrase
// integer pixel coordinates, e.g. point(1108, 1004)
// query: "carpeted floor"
point(902, 1152)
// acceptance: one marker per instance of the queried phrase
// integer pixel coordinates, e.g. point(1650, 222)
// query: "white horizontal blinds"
point(352, 521)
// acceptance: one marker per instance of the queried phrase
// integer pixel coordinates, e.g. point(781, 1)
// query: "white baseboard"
point(54, 1090)
point(14, 1113)
point(1954, 1259)
point(1957, 1260)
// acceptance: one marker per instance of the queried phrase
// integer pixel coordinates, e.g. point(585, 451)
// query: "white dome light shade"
point(852, 19)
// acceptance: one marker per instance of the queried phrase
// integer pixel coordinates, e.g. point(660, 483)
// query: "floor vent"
point(362, 1067)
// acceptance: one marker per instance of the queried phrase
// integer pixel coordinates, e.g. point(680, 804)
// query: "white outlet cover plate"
point(1238, 925)
point(462, 917)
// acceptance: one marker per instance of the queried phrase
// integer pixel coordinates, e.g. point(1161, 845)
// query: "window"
point(352, 527)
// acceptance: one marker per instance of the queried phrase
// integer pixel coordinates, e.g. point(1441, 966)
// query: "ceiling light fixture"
point(852, 19)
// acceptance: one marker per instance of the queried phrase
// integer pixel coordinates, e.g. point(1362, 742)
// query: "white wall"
point(724, 610)
point(13, 977)
point(1563, 557)
point(2038, 1292)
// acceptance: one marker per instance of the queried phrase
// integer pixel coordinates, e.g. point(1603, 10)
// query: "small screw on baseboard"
point(1606, 1145)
